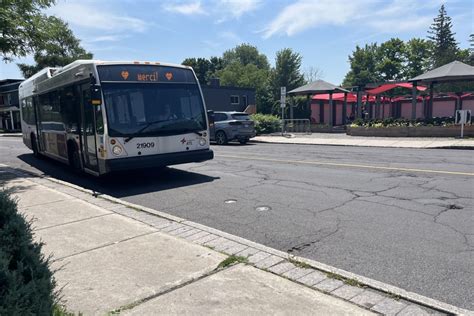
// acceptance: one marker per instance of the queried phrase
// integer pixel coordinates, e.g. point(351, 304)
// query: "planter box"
point(419, 131)
point(315, 128)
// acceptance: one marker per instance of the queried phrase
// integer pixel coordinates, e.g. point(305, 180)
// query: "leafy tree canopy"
point(20, 24)
point(245, 54)
point(204, 68)
point(363, 66)
point(59, 47)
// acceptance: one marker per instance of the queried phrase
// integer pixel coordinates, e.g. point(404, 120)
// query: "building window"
point(234, 99)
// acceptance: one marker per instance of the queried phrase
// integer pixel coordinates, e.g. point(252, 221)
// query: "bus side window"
point(69, 109)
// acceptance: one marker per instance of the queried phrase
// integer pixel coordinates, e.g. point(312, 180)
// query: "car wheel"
point(221, 138)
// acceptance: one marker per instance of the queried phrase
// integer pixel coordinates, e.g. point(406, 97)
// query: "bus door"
point(88, 132)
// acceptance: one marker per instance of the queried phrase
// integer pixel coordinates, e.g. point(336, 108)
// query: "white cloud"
point(235, 8)
point(306, 14)
point(91, 17)
point(190, 8)
point(383, 16)
point(106, 38)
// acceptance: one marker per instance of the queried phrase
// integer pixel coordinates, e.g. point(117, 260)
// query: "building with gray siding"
point(225, 98)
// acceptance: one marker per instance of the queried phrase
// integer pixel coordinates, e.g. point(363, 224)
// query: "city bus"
point(104, 116)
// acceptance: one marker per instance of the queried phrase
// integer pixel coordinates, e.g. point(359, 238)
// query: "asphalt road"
point(400, 216)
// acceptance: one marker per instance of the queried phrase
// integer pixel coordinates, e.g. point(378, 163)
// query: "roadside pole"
point(463, 117)
point(282, 105)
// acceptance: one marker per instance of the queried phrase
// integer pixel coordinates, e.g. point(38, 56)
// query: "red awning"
point(351, 97)
point(390, 86)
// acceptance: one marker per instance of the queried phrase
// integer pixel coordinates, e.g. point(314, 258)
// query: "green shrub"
point(266, 123)
point(26, 282)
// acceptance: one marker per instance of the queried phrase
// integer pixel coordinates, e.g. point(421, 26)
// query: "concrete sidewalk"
point(112, 258)
point(339, 139)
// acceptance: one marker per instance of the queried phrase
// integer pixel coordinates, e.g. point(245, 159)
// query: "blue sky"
point(324, 32)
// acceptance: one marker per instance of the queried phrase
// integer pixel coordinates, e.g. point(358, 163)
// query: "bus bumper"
point(160, 160)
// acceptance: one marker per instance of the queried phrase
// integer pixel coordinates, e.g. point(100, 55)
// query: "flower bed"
point(411, 131)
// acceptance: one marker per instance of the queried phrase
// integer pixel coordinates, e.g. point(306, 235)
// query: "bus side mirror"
point(96, 95)
point(210, 117)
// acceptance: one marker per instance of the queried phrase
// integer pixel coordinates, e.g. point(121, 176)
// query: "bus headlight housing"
point(117, 150)
point(202, 141)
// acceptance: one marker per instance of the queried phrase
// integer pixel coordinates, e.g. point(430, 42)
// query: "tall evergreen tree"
point(445, 48)
point(287, 72)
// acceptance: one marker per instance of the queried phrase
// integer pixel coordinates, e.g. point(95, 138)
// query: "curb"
point(11, 135)
point(269, 258)
point(365, 146)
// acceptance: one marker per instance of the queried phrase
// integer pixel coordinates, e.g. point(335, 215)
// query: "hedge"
point(26, 281)
point(266, 123)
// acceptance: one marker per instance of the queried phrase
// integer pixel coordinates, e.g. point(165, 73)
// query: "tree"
point(245, 54)
point(417, 55)
point(59, 47)
point(445, 48)
point(201, 68)
point(312, 74)
point(20, 26)
point(216, 64)
point(204, 68)
point(390, 59)
point(286, 72)
point(244, 66)
point(363, 66)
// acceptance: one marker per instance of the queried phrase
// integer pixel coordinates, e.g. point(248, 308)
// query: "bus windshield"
point(153, 109)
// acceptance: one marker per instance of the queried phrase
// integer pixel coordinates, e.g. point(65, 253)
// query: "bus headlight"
point(202, 141)
point(117, 150)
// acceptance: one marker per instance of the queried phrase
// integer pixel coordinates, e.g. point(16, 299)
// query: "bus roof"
point(30, 85)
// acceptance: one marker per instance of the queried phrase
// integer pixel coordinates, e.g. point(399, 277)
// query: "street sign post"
point(463, 117)
point(282, 105)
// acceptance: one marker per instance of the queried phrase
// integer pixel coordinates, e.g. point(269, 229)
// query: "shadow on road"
point(121, 184)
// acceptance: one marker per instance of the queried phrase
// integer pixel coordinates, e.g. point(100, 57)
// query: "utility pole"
point(282, 105)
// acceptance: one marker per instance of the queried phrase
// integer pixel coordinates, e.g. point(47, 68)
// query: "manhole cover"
point(230, 201)
point(263, 208)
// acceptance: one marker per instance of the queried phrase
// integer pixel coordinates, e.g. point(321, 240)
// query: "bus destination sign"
point(145, 73)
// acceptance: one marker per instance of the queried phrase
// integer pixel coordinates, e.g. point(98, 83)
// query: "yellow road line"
point(349, 165)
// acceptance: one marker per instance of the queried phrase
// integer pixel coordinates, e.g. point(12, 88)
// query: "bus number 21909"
point(145, 145)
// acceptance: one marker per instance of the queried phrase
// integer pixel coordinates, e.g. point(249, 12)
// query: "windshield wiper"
point(142, 129)
point(187, 130)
